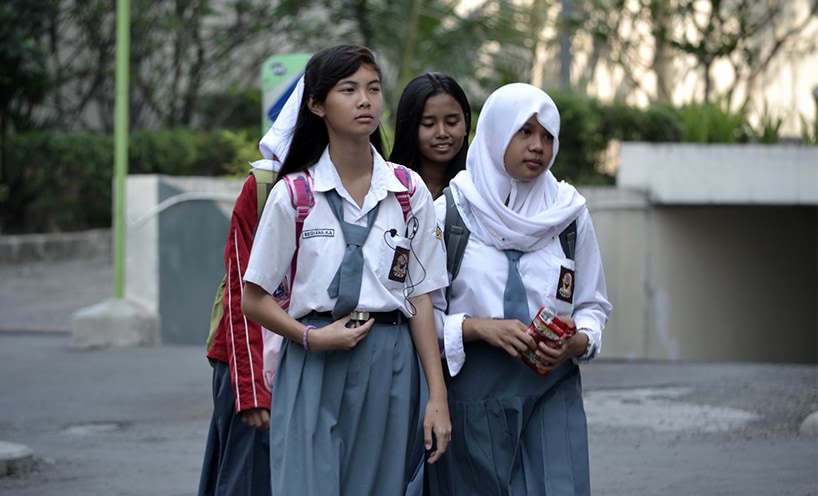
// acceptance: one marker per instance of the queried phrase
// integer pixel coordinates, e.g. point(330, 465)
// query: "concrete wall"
point(736, 282)
point(51, 247)
point(708, 282)
point(621, 222)
point(699, 174)
point(711, 252)
point(175, 238)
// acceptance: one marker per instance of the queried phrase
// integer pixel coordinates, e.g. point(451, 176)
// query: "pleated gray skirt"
point(343, 423)
point(514, 433)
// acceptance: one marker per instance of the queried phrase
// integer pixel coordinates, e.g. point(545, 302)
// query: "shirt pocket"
point(393, 263)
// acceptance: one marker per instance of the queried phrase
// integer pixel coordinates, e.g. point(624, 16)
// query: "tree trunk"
point(538, 54)
point(362, 13)
point(565, 47)
point(662, 65)
point(708, 81)
point(407, 56)
point(3, 130)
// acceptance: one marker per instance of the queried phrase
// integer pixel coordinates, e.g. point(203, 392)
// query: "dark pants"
point(237, 456)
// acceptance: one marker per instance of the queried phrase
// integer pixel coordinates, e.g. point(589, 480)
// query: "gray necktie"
point(350, 272)
point(515, 302)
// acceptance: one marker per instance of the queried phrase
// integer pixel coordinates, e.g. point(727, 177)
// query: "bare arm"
point(436, 420)
point(260, 307)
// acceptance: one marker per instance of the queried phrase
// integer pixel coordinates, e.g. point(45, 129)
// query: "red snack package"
point(547, 328)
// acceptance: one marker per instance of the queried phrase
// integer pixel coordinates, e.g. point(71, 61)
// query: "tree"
point(408, 37)
point(179, 48)
point(693, 36)
point(24, 77)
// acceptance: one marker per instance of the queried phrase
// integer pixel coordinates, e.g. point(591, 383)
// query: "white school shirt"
point(478, 289)
point(323, 246)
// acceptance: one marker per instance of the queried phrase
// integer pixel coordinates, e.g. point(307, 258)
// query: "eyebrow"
point(350, 81)
point(447, 116)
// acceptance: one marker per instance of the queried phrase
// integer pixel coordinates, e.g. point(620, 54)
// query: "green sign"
point(279, 76)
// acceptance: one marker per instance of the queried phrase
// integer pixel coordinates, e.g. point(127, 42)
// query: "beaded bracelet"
point(304, 339)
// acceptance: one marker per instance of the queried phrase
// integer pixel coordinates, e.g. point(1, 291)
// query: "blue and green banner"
point(279, 76)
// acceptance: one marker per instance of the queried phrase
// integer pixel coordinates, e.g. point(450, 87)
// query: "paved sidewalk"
point(133, 421)
point(41, 297)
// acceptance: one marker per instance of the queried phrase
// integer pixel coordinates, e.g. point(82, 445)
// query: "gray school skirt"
point(344, 422)
point(513, 431)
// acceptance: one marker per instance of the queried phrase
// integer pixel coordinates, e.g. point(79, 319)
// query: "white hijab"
point(275, 144)
point(537, 210)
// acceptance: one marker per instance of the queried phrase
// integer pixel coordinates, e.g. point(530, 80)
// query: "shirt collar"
point(325, 178)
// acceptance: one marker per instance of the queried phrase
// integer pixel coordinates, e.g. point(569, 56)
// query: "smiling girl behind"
point(432, 129)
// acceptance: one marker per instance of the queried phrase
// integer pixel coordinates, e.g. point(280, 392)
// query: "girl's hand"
point(436, 422)
point(573, 347)
point(509, 335)
point(337, 336)
point(256, 417)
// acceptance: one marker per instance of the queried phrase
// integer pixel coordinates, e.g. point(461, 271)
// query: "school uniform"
point(236, 455)
point(343, 421)
point(513, 431)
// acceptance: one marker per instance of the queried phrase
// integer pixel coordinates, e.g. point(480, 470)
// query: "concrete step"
point(15, 459)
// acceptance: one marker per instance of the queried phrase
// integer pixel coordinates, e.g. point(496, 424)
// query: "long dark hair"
point(410, 113)
point(323, 71)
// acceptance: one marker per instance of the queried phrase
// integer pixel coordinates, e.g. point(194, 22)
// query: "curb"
point(810, 425)
point(26, 248)
point(15, 459)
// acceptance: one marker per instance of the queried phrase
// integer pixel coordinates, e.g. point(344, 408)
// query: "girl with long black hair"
point(345, 392)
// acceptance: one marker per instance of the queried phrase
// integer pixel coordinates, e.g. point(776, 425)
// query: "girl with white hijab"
point(514, 431)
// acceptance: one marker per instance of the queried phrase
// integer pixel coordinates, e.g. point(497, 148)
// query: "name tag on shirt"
point(318, 233)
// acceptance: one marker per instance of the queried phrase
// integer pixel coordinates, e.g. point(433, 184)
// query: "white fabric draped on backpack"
point(274, 147)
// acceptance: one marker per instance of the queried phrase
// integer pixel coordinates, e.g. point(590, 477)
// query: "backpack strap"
point(568, 240)
point(407, 179)
point(265, 179)
point(455, 237)
point(300, 187)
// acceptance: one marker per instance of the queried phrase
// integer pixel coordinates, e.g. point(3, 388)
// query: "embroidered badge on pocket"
point(565, 287)
point(400, 264)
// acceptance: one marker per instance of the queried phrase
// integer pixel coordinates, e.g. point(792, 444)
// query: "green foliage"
point(588, 126)
point(809, 133)
point(235, 108)
point(714, 123)
point(581, 142)
point(62, 181)
point(659, 123)
point(244, 147)
point(769, 127)
point(57, 181)
point(23, 70)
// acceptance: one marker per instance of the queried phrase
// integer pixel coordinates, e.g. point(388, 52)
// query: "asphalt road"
point(133, 421)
